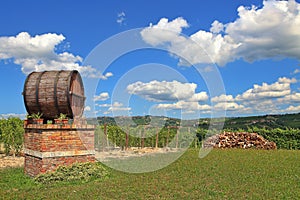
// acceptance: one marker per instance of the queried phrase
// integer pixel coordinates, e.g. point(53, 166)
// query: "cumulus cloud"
point(103, 77)
point(111, 109)
point(230, 106)
point(183, 105)
point(259, 99)
point(295, 97)
point(182, 95)
point(291, 98)
point(293, 109)
point(217, 27)
point(263, 98)
point(287, 80)
point(167, 91)
point(101, 97)
point(38, 53)
point(275, 90)
point(164, 31)
point(117, 106)
point(255, 35)
point(223, 98)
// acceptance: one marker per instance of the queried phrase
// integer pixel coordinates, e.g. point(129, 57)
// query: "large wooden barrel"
point(54, 92)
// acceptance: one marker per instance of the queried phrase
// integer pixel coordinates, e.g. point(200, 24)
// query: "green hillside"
point(266, 121)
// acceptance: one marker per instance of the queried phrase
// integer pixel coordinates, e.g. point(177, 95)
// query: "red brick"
point(55, 138)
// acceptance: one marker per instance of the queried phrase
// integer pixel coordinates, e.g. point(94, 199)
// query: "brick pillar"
point(48, 146)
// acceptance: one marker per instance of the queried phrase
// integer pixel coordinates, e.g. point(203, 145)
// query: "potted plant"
point(61, 119)
point(36, 117)
point(27, 120)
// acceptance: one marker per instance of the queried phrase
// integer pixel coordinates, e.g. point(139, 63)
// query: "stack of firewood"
point(239, 140)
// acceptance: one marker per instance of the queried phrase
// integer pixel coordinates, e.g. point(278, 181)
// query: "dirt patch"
point(18, 161)
point(10, 161)
point(130, 152)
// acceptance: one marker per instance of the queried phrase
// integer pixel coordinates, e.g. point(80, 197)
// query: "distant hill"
point(266, 121)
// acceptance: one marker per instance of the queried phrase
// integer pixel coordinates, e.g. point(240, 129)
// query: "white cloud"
point(121, 18)
point(216, 27)
point(275, 90)
point(296, 71)
point(182, 105)
point(101, 97)
point(104, 105)
point(37, 53)
point(295, 97)
point(291, 98)
point(167, 91)
point(260, 31)
point(256, 34)
point(287, 80)
point(208, 69)
point(230, 106)
point(204, 69)
point(87, 108)
point(223, 98)
point(108, 74)
point(117, 106)
point(8, 115)
point(293, 109)
point(164, 31)
point(261, 99)
point(101, 76)
point(182, 94)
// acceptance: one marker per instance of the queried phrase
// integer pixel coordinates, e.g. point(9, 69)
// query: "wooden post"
point(167, 142)
point(126, 139)
point(143, 139)
point(103, 142)
point(152, 140)
point(156, 141)
point(107, 140)
point(177, 132)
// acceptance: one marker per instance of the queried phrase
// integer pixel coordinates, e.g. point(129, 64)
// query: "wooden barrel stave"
point(54, 92)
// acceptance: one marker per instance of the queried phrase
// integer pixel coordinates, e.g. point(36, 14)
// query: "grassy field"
point(223, 174)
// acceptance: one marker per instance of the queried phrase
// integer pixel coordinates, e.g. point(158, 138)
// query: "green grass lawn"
point(223, 174)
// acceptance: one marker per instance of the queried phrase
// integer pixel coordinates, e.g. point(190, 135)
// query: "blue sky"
point(195, 58)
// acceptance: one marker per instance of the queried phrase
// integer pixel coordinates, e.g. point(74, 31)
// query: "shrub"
point(83, 172)
point(11, 131)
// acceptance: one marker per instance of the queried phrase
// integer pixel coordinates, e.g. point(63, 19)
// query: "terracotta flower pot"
point(26, 121)
point(61, 121)
point(38, 121)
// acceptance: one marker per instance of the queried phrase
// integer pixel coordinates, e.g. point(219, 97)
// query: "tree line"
point(144, 136)
point(12, 131)
point(182, 137)
point(12, 135)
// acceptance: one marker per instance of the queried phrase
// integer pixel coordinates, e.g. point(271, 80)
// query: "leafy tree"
point(12, 132)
